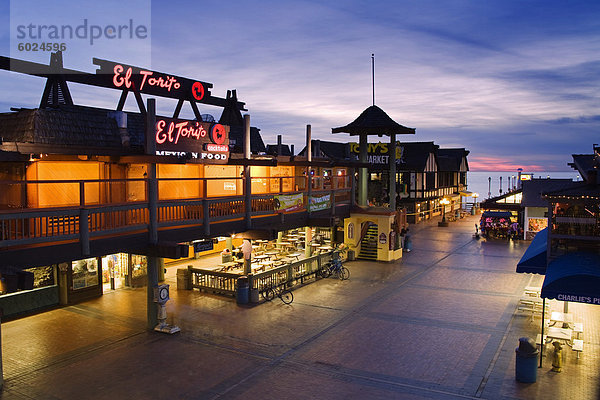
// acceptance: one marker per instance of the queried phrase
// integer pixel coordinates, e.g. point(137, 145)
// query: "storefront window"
point(138, 266)
point(42, 276)
point(85, 273)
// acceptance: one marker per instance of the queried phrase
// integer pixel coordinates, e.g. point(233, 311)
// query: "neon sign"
point(199, 140)
point(127, 77)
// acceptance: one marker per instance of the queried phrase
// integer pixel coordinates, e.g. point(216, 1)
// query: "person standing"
point(407, 242)
point(247, 252)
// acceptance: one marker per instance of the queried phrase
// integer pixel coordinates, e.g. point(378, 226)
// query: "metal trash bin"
point(184, 279)
point(526, 364)
point(351, 255)
point(242, 290)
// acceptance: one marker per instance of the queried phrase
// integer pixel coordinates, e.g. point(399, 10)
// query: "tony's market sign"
point(378, 153)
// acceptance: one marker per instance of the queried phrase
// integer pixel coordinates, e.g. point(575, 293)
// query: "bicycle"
point(280, 291)
point(335, 267)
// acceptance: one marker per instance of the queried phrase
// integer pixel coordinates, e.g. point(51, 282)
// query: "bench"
point(577, 346)
point(578, 328)
point(538, 339)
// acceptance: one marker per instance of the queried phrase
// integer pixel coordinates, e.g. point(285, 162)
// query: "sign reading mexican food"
point(199, 140)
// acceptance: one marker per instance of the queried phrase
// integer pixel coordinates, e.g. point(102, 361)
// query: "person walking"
point(407, 241)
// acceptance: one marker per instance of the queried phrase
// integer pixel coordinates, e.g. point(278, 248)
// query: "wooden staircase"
point(368, 247)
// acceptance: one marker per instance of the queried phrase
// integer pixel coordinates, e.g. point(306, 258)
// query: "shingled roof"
point(236, 138)
point(449, 160)
point(416, 154)
point(79, 128)
point(327, 149)
point(577, 190)
point(272, 150)
point(68, 125)
point(374, 121)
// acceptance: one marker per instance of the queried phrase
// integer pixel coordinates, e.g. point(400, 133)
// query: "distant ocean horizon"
point(477, 181)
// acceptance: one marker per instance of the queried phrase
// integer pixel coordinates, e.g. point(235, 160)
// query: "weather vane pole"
point(373, 74)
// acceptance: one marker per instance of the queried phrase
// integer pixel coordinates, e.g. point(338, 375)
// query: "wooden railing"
point(226, 283)
point(217, 282)
point(85, 217)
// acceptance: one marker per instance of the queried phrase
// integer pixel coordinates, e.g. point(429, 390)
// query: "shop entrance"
point(114, 271)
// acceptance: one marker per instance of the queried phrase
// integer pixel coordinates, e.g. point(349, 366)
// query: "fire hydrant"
point(557, 357)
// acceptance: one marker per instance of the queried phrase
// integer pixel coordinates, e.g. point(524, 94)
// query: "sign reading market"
point(201, 140)
point(127, 77)
point(378, 153)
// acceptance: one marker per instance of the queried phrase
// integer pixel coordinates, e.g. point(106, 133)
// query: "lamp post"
point(474, 209)
point(444, 202)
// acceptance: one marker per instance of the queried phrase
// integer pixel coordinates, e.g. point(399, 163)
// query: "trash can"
point(526, 365)
point(184, 279)
point(351, 255)
point(242, 290)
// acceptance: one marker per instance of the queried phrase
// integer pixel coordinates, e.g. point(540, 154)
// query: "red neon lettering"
point(168, 83)
point(118, 80)
point(171, 129)
point(145, 73)
point(184, 129)
point(160, 136)
point(181, 131)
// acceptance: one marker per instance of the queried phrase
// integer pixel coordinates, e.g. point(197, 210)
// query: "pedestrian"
point(247, 251)
point(402, 233)
point(407, 242)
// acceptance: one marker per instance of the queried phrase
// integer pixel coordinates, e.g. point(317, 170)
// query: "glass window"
point(85, 273)
point(138, 266)
point(42, 276)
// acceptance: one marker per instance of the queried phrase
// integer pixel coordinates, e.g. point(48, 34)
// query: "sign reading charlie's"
point(154, 83)
point(203, 140)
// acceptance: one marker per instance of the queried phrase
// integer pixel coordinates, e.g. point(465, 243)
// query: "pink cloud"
point(500, 164)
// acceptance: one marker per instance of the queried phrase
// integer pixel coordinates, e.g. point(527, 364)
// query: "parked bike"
point(280, 291)
point(335, 267)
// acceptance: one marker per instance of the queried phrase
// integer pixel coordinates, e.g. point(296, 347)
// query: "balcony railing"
point(100, 207)
point(577, 225)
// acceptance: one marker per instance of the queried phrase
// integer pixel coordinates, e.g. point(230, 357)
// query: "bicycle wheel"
point(325, 272)
point(269, 294)
point(286, 296)
point(344, 273)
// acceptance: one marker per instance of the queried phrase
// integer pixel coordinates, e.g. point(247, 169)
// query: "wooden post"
point(247, 177)
point(84, 228)
point(153, 262)
point(362, 172)
point(308, 168)
point(392, 158)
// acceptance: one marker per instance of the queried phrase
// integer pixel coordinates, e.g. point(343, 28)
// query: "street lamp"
point(475, 196)
point(444, 202)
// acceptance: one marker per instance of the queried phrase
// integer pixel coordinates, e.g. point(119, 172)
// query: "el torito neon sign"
point(200, 139)
point(154, 83)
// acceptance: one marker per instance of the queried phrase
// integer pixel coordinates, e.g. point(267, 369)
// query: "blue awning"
point(573, 277)
point(534, 259)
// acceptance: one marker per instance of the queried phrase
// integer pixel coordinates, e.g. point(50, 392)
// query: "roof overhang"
point(573, 277)
point(534, 260)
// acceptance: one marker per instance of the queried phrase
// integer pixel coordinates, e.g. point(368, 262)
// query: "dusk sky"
point(515, 82)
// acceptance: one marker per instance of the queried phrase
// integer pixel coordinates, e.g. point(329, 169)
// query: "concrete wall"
point(25, 301)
